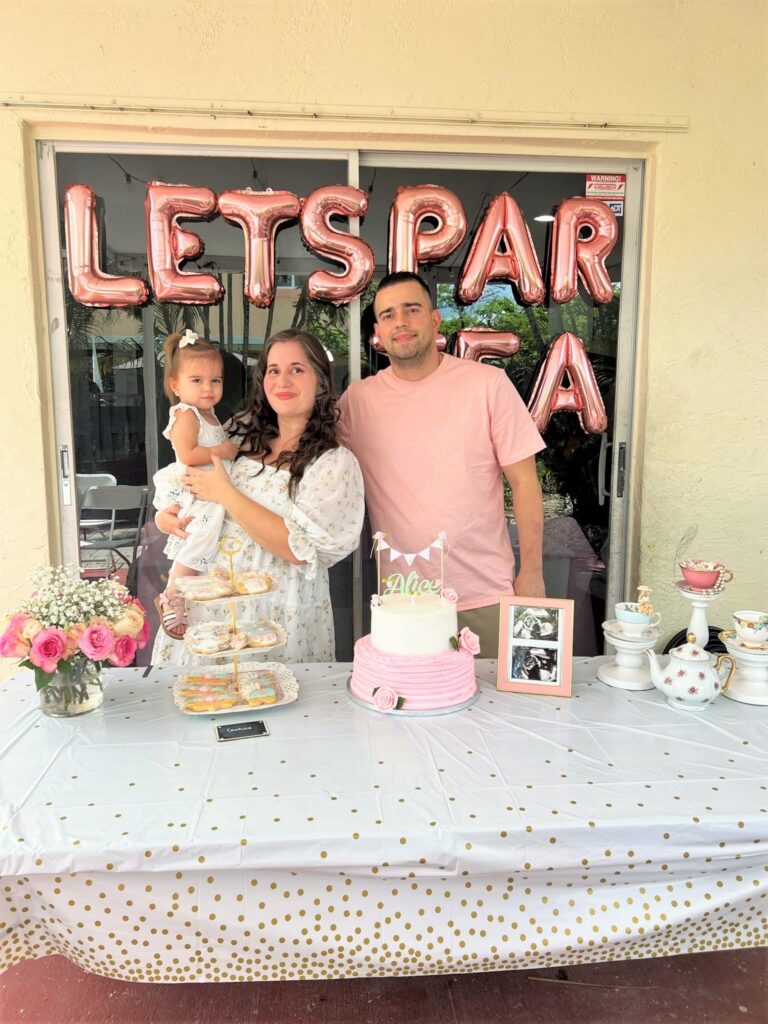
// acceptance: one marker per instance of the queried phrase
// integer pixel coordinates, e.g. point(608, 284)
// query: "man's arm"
point(529, 515)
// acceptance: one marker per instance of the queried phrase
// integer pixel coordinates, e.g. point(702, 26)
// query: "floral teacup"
point(632, 621)
point(703, 575)
point(751, 627)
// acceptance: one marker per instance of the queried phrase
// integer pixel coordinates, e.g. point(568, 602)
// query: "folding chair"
point(113, 499)
point(84, 483)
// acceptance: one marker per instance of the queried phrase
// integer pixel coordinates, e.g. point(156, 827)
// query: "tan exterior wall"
point(680, 83)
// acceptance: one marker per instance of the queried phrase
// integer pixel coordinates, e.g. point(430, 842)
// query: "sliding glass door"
point(110, 410)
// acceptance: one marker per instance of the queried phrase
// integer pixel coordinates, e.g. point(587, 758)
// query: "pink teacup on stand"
point(704, 575)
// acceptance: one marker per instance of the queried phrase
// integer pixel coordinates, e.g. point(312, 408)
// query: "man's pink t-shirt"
point(431, 452)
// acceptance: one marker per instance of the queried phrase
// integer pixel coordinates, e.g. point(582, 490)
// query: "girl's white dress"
point(198, 550)
point(324, 522)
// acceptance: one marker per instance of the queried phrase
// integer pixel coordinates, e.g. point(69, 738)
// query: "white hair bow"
point(188, 338)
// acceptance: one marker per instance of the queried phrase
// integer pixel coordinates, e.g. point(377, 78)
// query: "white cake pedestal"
point(749, 683)
point(698, 624)
point(630, 669)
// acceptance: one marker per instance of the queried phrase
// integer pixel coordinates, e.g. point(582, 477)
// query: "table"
point(523, 832)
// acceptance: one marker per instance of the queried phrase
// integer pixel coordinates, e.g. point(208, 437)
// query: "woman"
point(294, 500)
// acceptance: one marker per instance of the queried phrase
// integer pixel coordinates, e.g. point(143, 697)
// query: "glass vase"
point(73, 693)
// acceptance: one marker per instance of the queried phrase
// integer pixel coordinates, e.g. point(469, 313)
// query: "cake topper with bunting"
point(411, 585)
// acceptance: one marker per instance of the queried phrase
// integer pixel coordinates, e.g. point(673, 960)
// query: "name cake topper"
point(413, 584)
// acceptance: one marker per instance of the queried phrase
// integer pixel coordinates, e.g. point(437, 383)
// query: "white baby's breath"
point(61, 599)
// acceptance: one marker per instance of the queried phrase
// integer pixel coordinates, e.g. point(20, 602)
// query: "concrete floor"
point(705, 988)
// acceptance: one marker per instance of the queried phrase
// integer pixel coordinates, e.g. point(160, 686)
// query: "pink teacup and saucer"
point(701, 575)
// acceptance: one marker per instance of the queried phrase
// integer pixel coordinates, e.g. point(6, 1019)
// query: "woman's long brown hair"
point(257, 423)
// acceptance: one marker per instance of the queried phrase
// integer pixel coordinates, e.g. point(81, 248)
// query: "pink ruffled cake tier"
point(426, 682)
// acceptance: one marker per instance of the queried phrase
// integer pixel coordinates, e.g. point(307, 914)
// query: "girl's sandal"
point(173, 615)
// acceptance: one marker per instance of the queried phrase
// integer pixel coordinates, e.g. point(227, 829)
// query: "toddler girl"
point(193, 382)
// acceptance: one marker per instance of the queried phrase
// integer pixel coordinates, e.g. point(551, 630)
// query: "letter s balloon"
point(355, 255)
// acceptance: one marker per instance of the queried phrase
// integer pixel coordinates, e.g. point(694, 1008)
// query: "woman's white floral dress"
point(324, 522)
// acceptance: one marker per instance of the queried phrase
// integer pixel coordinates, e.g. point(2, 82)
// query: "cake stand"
point(630, 669)
point(700, 599)
point(403, 713)
point(749, 683)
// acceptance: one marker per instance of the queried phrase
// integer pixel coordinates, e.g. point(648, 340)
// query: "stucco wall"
point(695, 67)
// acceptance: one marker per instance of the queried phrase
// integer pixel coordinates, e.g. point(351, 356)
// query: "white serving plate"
point(287, 680)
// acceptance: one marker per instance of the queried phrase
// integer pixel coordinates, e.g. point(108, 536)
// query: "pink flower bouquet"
point(70, 625)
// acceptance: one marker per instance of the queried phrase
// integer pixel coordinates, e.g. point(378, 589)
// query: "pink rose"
point(12, 642)
point(48, 648)
point(97, 641)
point(124, 652)
point(469, 641)
point(142, 639)
point(384, 698)
point(449, 594)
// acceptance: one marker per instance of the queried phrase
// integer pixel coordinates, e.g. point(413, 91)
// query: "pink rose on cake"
point(449, 594)
point(469, 641)
point(385, 699)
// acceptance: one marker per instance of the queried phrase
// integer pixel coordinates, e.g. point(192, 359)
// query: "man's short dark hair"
point(400, 277)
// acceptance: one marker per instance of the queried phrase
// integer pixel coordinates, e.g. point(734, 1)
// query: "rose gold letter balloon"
point(355, 255)
point(408, 247)
point(168, 245)
point(260, 215)
point(567, 353)
point(517, 263)
point(484, 343)
point(87, 282)
point(570, 252)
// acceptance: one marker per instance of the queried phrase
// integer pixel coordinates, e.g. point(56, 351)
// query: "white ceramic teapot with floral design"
point(690, 680)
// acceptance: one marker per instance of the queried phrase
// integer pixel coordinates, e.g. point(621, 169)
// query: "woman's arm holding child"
point(267, 528)
point(184, 434)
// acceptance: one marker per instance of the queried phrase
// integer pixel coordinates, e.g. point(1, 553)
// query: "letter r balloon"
point(572, 255)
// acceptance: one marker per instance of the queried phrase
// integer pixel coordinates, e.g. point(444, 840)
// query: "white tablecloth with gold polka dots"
point(525, 831)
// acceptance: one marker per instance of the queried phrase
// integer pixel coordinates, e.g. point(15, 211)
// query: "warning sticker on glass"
point(610, 188)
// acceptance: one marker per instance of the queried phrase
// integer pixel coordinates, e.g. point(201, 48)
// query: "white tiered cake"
point(413, 660)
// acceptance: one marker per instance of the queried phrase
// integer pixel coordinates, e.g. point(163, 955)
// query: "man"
point(433, 435)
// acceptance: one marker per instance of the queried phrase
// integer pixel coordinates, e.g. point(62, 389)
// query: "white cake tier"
point(423, 624)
